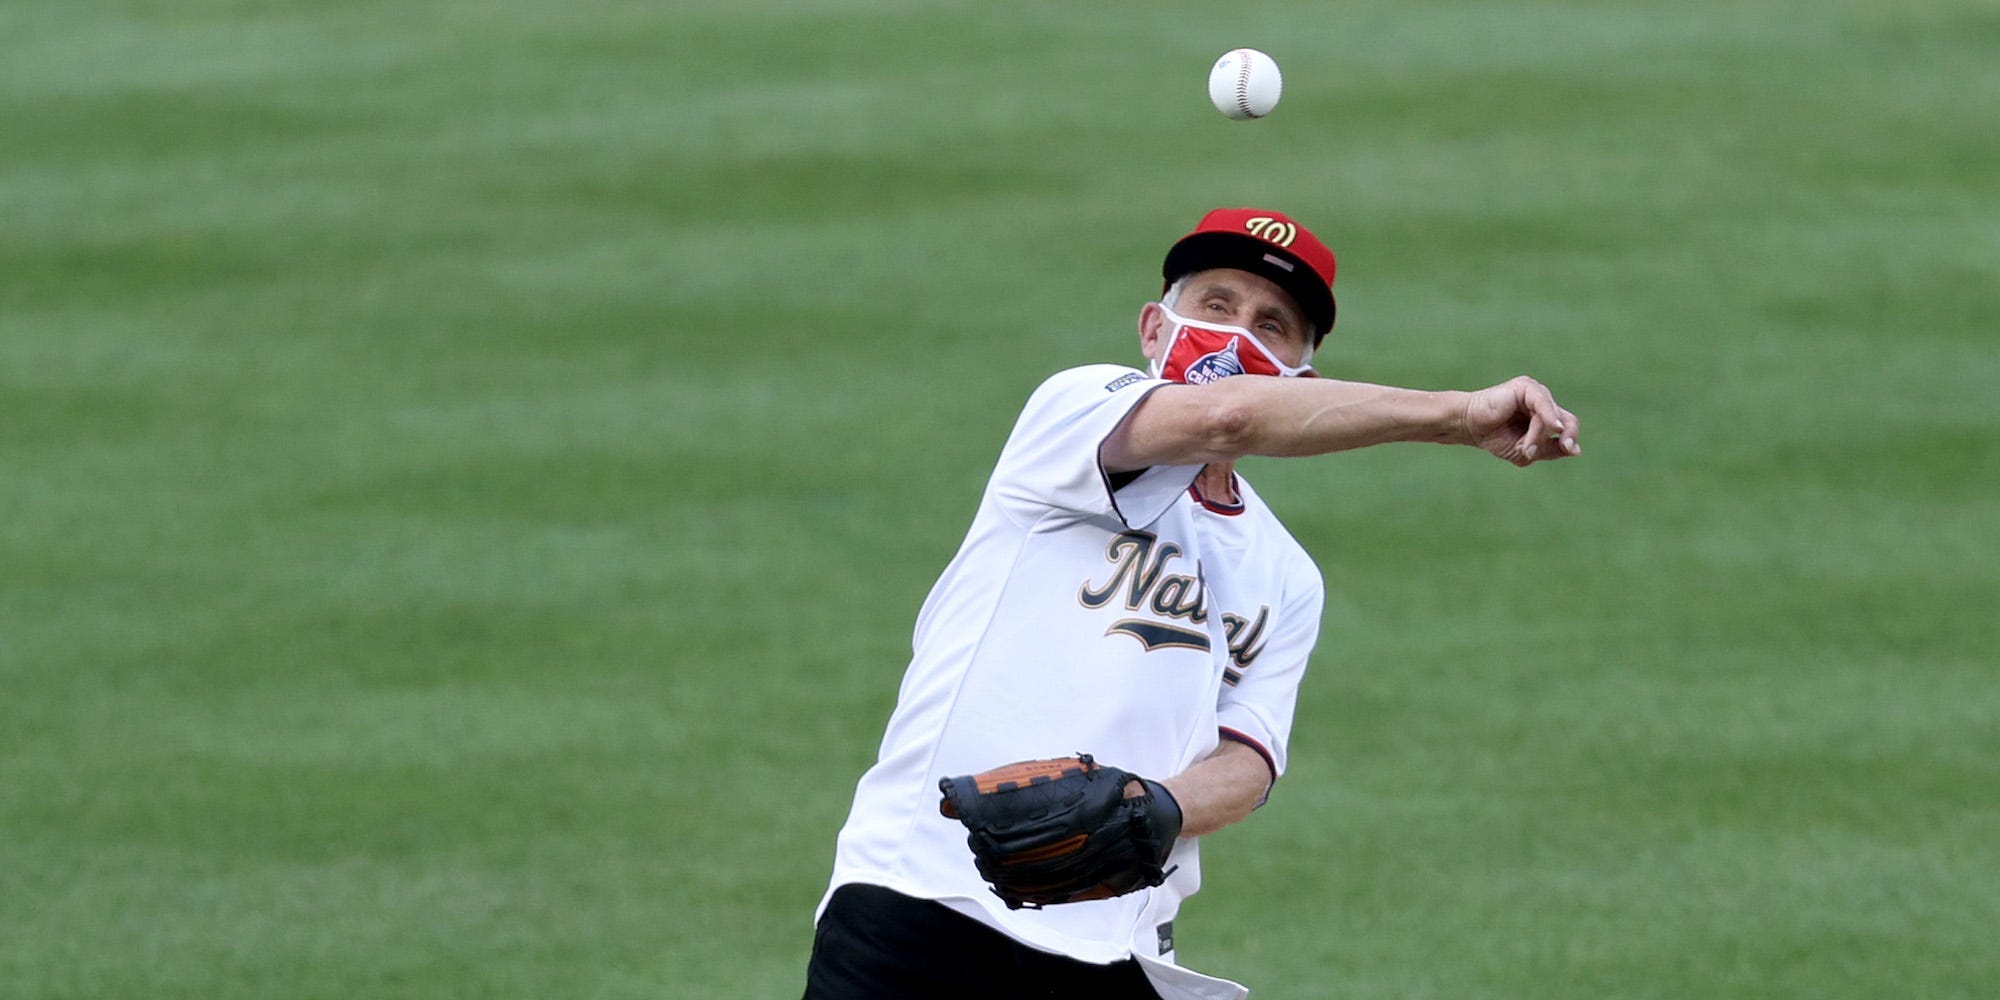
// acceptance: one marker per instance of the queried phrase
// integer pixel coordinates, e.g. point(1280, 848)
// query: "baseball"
point(1245, 84)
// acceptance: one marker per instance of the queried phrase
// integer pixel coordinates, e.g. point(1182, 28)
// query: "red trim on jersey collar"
point(1225, 509)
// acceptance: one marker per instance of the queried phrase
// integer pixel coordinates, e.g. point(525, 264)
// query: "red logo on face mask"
point(1211, 365)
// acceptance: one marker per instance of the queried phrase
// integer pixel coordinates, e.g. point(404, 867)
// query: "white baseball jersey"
point(1139, 623)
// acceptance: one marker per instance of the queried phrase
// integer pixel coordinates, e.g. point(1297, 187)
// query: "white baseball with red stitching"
point(1245, 84)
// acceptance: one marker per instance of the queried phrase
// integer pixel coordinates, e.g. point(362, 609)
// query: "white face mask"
point(1200, 353)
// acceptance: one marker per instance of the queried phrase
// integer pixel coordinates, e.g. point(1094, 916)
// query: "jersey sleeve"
point(1258, 697)
point(1051, 461)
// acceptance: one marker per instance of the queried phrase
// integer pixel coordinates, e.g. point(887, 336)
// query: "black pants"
point(877, 944)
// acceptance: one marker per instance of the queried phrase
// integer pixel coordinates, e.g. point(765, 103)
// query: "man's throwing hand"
point(1518, 420)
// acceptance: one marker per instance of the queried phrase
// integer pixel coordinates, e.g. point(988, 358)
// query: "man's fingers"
point(1572, 431)
point(1544, 419)
point(1531, 443)
point(1543, 404)
point(1552, 430)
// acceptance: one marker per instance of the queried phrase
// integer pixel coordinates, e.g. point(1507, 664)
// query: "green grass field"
point(468, 472)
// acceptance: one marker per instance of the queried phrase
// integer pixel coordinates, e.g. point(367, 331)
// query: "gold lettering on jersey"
point(1139, 561)
point(1246, 638)
point(1139, 575)
point(1266, 228)
point(1160, 635)
point(1246, 642)
point(1171, 598)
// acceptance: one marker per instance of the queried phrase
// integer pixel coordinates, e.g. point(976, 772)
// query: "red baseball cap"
point(1263, 243)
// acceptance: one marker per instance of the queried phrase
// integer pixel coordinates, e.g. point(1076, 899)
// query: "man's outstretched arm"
point(1517, 420)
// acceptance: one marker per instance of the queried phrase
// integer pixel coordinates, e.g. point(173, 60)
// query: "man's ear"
point(1153, 327)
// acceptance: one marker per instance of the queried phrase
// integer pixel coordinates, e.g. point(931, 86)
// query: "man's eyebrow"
point(1215, 291)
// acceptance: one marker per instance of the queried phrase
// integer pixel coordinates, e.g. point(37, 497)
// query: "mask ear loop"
point(1157, 366)
point(1301, 370)
point(1304, 369)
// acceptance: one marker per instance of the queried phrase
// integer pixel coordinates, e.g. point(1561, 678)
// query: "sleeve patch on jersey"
point(1122, 381)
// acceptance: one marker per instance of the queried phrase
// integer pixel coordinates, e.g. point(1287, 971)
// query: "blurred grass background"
point(468, 472)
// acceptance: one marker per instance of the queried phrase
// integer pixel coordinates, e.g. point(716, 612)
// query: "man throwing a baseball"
point(1107, 669)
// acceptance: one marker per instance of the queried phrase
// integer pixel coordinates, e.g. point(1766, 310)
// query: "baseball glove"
point(1063, 830)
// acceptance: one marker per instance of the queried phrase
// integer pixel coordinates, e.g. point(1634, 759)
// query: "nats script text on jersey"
point(1141, 625)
